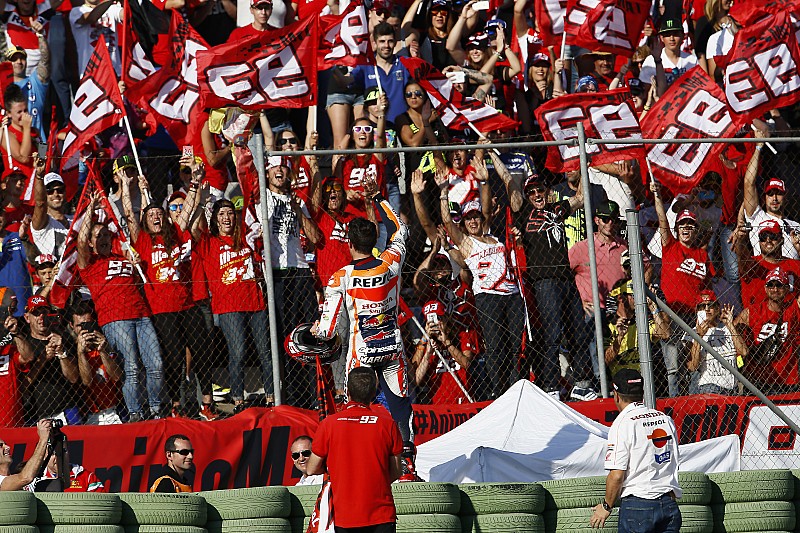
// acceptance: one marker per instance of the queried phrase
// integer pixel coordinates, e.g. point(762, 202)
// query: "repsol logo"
point(375, 281)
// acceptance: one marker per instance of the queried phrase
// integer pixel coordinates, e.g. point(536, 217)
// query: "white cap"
point(274, 161)
point(52, 177)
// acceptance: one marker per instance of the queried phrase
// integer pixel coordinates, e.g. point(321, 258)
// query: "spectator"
point(716, 327)
point(301, 452)
point(15, 249)
point(81, 480)
point(127, 327)
point(261, 10)
point(179, 470)
point(667, 57)
point(754, 270)
point(125, 169)
point(45, 267)
point(34, 85)
point(50, 384)
point(543, 84)
point(283, 13)
point(355, 169)
point(715, 18)
point(22, 136)
point(236, 299)
point(362, 497)
point(600, 66)
point(12, 365)
point(392, 167)
point(33, 466)
point(462, 180)
point(50, 222)
point(305, 169)
point(420, 125)
point(15, 209)
point(99, 367)
point(432, 34)
point(25, 28)
point(91, 20)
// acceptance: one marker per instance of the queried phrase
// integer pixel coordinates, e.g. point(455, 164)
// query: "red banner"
point(746, 13)
point(611, 25)
point(762, 71)
point(608, 115)
point(550, 16)
point(135, 64)
point(344, 38)
point(272, 69)
point(693, 107)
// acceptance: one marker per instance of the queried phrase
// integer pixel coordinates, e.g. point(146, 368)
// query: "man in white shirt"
point(50, 223)
point(88, 22)
point(34, 465)
point(642, 460)
point(674, 61)
point(301, 451)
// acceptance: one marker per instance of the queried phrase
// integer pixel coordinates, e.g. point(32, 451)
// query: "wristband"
point(607, 507)
point(758, 148)
point(62, 355)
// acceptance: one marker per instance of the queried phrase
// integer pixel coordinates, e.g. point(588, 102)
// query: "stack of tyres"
point(163, 513)
point(502, 507)
point(78, 512)
point(257, 509)
point(427, 507)
point(753, 501)
point(302, 500)
point(18, 512)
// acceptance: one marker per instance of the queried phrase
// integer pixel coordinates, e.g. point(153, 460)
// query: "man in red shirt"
point(753, 271)
point(261, 11)
point(360, 447)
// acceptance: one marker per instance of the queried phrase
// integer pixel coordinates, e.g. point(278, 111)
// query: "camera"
point(90, 326)
point(56, 423)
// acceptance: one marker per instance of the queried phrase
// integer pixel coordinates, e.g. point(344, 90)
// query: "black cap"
point(629, 382)
point(669, 25)
point(607, 209)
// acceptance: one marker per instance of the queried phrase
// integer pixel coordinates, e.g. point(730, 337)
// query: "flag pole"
point(442, 359)
point(8, 143)
point(564, 75)
point(145, 192)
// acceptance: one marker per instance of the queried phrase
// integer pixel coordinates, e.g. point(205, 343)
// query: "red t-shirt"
point(764, 322)
point(443, 387)
point(353, 172)
point(231, 275)
point(245, 32)
point(333, 251)
point(358, 443)
point(26, 169)
point(754, 280)
point(684, 273)
point(102, 393)
point(10, 369)
point(168, 273)
point(112, 284)
point(14, 216)
point(199, 283)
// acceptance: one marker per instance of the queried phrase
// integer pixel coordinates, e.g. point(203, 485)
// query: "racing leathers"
point(367, 292)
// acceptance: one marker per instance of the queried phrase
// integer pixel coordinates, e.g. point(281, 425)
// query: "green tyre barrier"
point(19, 529)
point(251, 525)
point(74, 528)
point(303, 499)
point(426, 498)
point(80, 508)
point(238, 504)
point(578, 493)
point(696, 488)
point(17, 508)
point(577, 520)
point(753, 516)
point(433, 523)
point(502, 523)
point(299, 524)
point(498, 498)
point(696, 519)
point(162, 509)
point(752, 485)
point(164, 529)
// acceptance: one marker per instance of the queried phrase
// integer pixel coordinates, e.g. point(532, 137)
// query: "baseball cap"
point(706, 297)
point(586, 82)
point(532, 180)
point(433, 307)
point(670, 25)
point(371, 95)
point(608, 208)
point(125, 161)
point(437, 5)
point(770, 226)
point(382, 5)
point(254, 3)
point(686, 215)
point(176, 195)
point(775, 183)
point(778, 275)
point(36, 302)
point(478, 40)
point(541, 58)
point(624, 288)
point(44, 259)
point(471, 207)
point(52, 177)
point(628, 382)
point(635, 85)
point(13, 50)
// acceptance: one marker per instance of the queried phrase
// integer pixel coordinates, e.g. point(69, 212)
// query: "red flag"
point(456, 110)
point(6, 79)
point(608, 115)
point(171, 95)
point(693, 107)
point(550, 15)
point(272, 69)
point(762, 71)
point(610, 25)
point(344, 38)
point(310, 8)
point(746, 13)
point(135, 64)
point(404, 313)
point(97, 105)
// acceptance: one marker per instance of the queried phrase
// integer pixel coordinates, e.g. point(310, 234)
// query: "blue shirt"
point(14, 270)
point(393, 83)
point(35, 91)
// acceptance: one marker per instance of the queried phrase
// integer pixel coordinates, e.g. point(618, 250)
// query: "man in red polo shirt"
point(360, 446)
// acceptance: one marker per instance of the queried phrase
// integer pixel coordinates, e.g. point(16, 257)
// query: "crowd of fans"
point(497, 268)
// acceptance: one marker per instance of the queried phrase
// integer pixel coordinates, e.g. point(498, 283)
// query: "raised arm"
point(193, 194)
point(85, 233)
point(750, 192)
point(454, 37)
point(34, 465)
point(513, 187)
point(663, 223)
point(43, 68)
point(406, 27)
point(444, 203)
point(39, 219)
point(134, 225)
point(417, 190)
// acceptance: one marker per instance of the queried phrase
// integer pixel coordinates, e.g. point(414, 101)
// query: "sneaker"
point(208, 412)
point(135, 417)
point(220, 393)
point(239, 408)
point(583, 394)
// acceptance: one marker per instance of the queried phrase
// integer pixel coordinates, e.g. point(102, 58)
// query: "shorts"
point(344, 98)
point(394, 373)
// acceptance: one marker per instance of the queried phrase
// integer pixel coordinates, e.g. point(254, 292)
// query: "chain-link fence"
point(497, 291)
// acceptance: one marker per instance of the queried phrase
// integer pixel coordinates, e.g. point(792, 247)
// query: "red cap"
point(775, 183)
point(36, 302)
point(686, 214)
point(770, 226)
point(434, 307)
point(778, 275)
point(706, 297)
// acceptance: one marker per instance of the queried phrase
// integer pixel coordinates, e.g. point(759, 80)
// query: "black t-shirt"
point(544, 240)
point(166, 485)
point(50, 392)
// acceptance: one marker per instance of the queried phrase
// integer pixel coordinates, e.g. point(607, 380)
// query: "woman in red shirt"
point(122, 312)
point(353, 169)
point(236, 298)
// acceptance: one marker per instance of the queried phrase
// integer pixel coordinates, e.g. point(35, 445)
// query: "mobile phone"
point(188, 150)
point(456, 77)
point(90, 326)
point(42, 149)
point(481, 5)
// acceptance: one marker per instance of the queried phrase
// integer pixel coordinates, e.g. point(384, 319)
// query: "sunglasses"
point(381, 12)
point(56, 190)
point(703, 307)
point(184, 452)
point(362, 129)
point(332, 187)
point(304, 453)
point(416, 93)
point(39, 312)
point(774, 285)
point(769, 237)
point(605, 220)
point(175, 207)
point(288, 140)
point(535, 188)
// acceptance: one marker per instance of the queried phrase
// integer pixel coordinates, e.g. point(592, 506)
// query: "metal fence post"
point(258, 158)
point(640, 302)
point(587, 207)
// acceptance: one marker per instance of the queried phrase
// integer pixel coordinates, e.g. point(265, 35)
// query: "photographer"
point(32, 467)
point(99, 369)
point(50, 390)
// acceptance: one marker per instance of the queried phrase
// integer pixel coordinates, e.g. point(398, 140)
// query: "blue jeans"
point(730, 263)
point(502, 321)
point(710, 388)
point(59, 73)
point(638, 515)
point(233, 327)
point(134, 339)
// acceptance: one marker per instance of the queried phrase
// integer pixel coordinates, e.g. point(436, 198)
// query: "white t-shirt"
point(757, 220)
point(283, 231)
point(310, 480)
point(86, 35)
point(51, 239)
point(719, 44)
point(711, 372)
point(671, 70)
point(643, 443)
